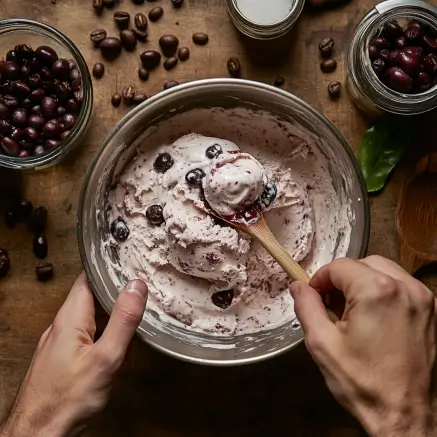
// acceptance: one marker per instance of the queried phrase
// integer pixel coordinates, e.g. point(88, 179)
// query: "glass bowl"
point(120, 146)
point(33, 33)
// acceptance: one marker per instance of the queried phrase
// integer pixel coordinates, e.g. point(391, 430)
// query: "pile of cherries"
point(39, 100)
point(405, 60)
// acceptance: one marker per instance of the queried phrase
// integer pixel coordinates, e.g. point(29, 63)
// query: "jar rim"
point(84, 116)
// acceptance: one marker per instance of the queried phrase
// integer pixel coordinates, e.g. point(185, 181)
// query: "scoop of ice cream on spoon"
point(236, 190)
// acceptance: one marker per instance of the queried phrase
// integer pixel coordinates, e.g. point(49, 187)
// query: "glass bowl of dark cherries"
point(46, 95)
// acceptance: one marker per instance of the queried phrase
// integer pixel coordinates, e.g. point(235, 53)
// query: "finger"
point(78, 310)
point(310, 309)
point(340, 275)
point(125, 318)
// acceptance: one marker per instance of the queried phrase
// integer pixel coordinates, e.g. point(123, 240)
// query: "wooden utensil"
point(416, 216)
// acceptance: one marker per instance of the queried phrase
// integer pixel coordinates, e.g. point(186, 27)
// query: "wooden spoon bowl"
point(416, 216)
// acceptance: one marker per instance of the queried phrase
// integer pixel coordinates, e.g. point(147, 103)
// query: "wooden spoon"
point(416, 216)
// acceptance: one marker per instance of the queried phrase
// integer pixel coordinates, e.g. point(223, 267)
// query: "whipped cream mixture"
point(202, 274)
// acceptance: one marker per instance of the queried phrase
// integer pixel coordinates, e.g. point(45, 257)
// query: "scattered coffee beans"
point(168, 44)
point(141, 21)
point(279, 81)
point(97, 36)
point(44, 271)
point(170, 63)
point(5, 263)
point(150, 59)
point(40, 246)
point(110, 47)
point(328, 65)
point(170, 84)
point(200, 38)
point(143, 74)
point(98, 6)
point(138, 2)
point(156, 13)
point(183, 54)
point(116, 100)
point(326, 46)
point(122, 19)
point(141, 35)
point(128, 93)
point(334, 89)
point(177, 3)
point(234, 67)
point(128, 39)
point(139, 97)
point(98, 71)
point(109, 3)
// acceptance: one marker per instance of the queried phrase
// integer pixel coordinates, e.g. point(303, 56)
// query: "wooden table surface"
point(156, 395)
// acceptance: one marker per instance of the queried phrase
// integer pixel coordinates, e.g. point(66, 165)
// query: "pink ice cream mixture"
point(203, 274)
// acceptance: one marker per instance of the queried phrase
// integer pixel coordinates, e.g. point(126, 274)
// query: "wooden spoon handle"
point(262, 233)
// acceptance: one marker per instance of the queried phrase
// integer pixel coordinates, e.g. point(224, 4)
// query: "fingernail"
point(294, 289)
point(137, 286)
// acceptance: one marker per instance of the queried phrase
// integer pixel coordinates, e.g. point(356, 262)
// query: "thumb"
point(126, 316)
point(313, 316)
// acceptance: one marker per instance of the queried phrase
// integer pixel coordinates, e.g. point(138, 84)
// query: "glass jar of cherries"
point(392, 59)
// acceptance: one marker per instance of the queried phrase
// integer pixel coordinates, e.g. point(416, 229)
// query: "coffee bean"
point(25, 69)
point(122, 19)
point(170, 84)
point(5, 263)
point(72, 64)
point(34, 80)
point(98, 70)
point(200, 38)
point(19, 117)
point(116, 100)
point(400, 42)
point(398, 80)
point(138, 2)
point(128, 39)
point(392, 29)
point(409, 63)
point(5, 127)
point(378, 66)
point(63, 90)
point(156, 13)
point(69, 120)
point(168, 44)
point(37, 95)
point(11, 219)
point(34, 65)
point(334, 89)
point(24, 51)
point(183, 54)
point(109, 3)
point(12, 56)
point(75, 78)
point(26, 103)
point(177, 3)
point(128, 93)
point(326, 46)
point(44, 271)
point(9, 146)
point(36, 121)
point(110, 47)
point(234, 67)
point(39, 150)
point(52, 144)
point(21, 89)
point(40, 246)
point(52, 129)
point(170, 63)
point(10, 70)
point(16, 134)
point(328, 65)
point(31, 134)
point(46, 55)
point(46, 74)
point(143, 74)
point(61, 111)
point(424, 82)
point(60, 69)
point(10, 102)
point(38, 219)
point(72, 106)
point(150, 59)
point(139, 97)
point(96, 36)
point(429, 64)
point(141, 35)
point(25, 208)
point(98, 6)
point(154, 215)
point(279, 81)
point(141, 21)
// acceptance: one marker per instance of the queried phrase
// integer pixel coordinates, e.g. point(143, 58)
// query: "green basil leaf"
point(382, 148)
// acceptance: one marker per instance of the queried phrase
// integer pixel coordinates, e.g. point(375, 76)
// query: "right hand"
point(378, 359)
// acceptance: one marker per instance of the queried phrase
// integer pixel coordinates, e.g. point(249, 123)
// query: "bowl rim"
point(212, 83)
point(84, 116)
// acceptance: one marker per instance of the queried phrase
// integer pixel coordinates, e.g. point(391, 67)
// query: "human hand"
point(378, 359)
point(70, 376)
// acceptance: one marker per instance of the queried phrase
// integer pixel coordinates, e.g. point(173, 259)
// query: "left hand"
point(70, 376)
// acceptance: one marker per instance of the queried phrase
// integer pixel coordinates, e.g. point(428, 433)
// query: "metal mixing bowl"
point(120, 146)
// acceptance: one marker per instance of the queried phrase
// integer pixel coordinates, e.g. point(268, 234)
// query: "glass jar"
point(269, 27)
point(366, 89)
point(33, 33)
